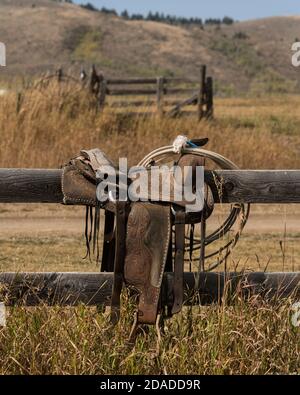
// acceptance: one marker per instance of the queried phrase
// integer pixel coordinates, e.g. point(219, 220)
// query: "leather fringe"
point(92, 231)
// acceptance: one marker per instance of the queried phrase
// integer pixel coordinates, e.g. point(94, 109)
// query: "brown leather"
point(195, 161)
point(147, 245)
point(138, 247)
point(107, 261)
point(79, 182)
point(179, 261)
point(76, 187)
point(119, 261)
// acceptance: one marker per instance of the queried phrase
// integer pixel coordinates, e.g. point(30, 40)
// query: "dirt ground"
point(39, 219)
point(60, 225)
point(51, 238)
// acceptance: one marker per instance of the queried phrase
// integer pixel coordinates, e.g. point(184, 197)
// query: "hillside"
point(247, 56)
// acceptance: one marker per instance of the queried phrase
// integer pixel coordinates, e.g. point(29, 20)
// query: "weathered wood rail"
point(200, 92)
point(140, 96)
point(229, 186)
point(31, 289)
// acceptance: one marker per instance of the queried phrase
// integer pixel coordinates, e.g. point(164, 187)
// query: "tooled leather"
point(194, 161)
point(78, 188)
point(136, 250)
point(148, 231)
point(79, 184)
point(79, 181)
point(141, 257)
point(73, 193)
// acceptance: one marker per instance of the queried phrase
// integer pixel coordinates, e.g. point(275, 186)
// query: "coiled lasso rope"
point(239, 213)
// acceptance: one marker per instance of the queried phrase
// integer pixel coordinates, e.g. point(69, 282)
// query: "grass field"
point(49, 129)
point(244, 338)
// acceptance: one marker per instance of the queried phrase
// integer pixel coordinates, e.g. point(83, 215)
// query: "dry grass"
point(39, 238)
point(64, 253)
point(245, 338)
point(250, 338)
point(49, 129)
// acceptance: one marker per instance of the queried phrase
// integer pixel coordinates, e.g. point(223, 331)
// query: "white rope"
point(239, 212)
point(179, 144)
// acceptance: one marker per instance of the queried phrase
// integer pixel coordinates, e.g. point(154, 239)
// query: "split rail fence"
point(163, 96)
point(247, 186)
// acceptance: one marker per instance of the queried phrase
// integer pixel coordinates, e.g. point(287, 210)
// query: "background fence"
point(163, 96)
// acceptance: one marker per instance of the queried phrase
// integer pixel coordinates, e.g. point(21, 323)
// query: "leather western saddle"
point(142, 239)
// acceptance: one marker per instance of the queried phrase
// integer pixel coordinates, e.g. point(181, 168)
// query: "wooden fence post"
point(93, 80)
point(209, 98)
point(59, 74)
point(102, 93)
point(19, 102)
point(201, 93)
point(160, 95)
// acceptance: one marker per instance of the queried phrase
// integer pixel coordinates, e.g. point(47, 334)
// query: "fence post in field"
point(102, 92)
point(59, 74)
point(93, 79)
point(19, 102)
point(160, 95)
point(201, 92)
point(209, 98)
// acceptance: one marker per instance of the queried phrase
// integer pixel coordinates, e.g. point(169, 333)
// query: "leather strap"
point(108, 253)
point(179, 261)
point(120, 234)
point(201, 266)
point(169, 263)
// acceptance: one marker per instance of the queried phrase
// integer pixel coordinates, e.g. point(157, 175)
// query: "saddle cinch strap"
point(137, 236)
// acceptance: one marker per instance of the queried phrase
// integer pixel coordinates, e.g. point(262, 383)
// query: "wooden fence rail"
point(31, 289)
point(200, 92)
point(248, 186)
point(228, 186)
point(162, 95)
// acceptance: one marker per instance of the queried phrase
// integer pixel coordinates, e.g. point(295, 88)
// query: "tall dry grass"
point(49, 128)
point(244, 338)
